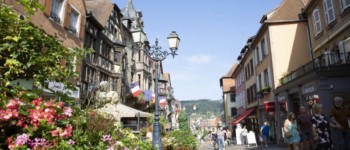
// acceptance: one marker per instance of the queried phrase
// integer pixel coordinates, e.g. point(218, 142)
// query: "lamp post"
point(156, 54)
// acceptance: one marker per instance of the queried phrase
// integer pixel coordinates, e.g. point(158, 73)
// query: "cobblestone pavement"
point(207, 146)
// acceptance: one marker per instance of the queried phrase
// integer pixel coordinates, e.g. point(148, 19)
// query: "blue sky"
point(212, 34)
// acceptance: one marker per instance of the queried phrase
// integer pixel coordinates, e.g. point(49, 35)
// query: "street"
point(206, 146)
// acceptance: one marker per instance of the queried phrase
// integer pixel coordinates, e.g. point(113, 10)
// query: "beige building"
point(327, 74)
point(228, 87)
point(279, 46)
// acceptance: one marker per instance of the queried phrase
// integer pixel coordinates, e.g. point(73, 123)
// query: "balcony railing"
point(325, 60)
point(55, 17)
point(73, 30)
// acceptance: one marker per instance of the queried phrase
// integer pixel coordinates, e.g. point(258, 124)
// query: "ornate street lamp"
point(157, 55)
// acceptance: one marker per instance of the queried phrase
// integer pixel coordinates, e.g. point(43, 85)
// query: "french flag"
point(135, 89)
point(162, 101)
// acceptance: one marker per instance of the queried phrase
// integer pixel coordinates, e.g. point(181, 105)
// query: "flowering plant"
point(40, 124)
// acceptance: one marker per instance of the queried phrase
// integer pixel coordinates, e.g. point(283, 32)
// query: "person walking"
point(320, 129)
point(304, 128)
point(265, 133)
point(291, 134)
point(220, 140)
point(340, 119)
point(244, 134)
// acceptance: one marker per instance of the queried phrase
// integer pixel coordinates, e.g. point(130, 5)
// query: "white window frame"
point(77, 25)
point(343, 4)
point(328, 9)
point(316, 22)
point(61, 13)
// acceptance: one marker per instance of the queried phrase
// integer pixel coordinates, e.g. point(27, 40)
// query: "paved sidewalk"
point(207, 146)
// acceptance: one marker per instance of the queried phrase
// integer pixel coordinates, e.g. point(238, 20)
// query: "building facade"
point(104, 36)
point(326, 74)
point(228, 87)
point(64, 19)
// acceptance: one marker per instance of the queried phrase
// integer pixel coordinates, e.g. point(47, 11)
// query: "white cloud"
point(200, 59)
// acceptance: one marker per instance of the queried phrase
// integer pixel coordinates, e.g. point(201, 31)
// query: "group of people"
point(316, 131)
point(220, 137)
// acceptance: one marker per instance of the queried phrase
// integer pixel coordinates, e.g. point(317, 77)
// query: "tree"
point(183, 121)
point(27, 52)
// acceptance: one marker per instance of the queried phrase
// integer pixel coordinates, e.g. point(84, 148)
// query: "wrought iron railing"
point(55, 17)
point(323, 61)
point(73, 30)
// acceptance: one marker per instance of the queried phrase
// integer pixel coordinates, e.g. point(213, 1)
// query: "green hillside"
point(203, 106)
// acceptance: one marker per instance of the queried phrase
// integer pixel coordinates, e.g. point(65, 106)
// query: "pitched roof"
point(129, 11)
point(100, 14)
point(229, 73)
point(287, 10)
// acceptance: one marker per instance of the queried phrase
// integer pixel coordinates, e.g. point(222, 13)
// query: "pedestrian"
point(265, 133)
point(291, 134)
point(304, 128)
point(229, 136)
point(214, 138)
point(244, 135)
point(220, 139)
point(340, 116)
point(320, 129)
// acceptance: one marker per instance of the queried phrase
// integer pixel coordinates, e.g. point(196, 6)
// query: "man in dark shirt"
point(341, 126)
point(304, 127)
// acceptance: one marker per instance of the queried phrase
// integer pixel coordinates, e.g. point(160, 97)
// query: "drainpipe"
point(304, 17)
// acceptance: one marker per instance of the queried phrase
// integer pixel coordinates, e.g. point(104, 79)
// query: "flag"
point(135, 89)
point(162, 101)
point(148, 95)
point(153, 98)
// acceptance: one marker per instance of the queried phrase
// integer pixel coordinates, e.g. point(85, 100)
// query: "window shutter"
point(262, 80)
point(342, 51)
point(67, 20)
point(316, 21)
point(48, 5)
point(82, 27)
point(265, 44)
point(270, 76)
point(258, 83)
point(260, 54)
point(256, 57)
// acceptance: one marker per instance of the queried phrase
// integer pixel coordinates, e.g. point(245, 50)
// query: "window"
point(116, 56)
point(73, 26)
point(56, 7)
point(317, 21)
point(263, 48)
point(257, 55)
point(259, 81)
point(251, 67)
point(266, 76)
point(233, 111)
point(233, 97)
point(328, 11)
point(344, 4)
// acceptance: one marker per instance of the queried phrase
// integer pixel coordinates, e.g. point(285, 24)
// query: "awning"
point(128, 112)
point(242, 116)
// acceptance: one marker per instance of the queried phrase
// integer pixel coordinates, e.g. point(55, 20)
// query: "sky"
point(212, 34)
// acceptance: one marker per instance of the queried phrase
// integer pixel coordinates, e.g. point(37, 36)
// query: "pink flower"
point(56, 132)
point(106, 138)
point(68, 111)
point(67, 132)
point(59, 104)
point(13, 104)
point(8, 114)
point(71, 142)
point(37, 102)
point(22, 139)
point(49, 103)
